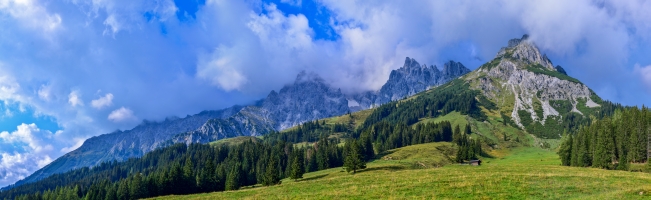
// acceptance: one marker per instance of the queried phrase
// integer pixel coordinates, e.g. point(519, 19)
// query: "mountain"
point(120, 145)
point(518, 99)
point(412, 78)
point(526, 87)
point(308, 98)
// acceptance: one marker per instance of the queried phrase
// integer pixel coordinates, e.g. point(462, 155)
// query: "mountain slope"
point(308, 98)
point(121, 145)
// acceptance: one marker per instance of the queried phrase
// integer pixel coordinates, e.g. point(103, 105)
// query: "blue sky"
point(73, 69)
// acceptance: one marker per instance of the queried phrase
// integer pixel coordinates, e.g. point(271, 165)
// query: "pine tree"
point(459, 157)
point(111, 193)
point(467, 130)
point(297, 167)
point(189, 181)
point(123, 190)
point(233, 178)
point(137, 189)
point(271, 176)
point(565, 150)
point(353, 160)
point(369, 153)
point(456, 136)
point(604, 148)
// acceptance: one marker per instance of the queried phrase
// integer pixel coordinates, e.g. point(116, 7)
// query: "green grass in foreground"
point(524, 173)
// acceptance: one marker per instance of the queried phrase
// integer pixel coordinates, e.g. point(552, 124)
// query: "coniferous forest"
point(609, 143)
point(197, 168)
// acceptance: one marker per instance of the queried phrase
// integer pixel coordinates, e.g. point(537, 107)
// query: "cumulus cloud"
point(74, 99)
point(24, 151)
point(102, 102)
point(121, 114)
point(31, 14)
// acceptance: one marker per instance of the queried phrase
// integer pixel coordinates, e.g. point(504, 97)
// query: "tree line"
point(609, 143)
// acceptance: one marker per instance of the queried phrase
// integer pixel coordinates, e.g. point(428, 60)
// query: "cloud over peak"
point(102, 102)
point(122, 114)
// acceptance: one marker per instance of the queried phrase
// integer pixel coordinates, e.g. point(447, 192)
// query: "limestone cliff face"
point(520, 76)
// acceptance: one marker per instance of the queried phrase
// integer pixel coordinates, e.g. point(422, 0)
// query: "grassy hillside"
point(234, 141)
point(523, 173)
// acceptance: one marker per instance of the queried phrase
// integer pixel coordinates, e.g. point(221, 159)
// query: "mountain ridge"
point(309, 98)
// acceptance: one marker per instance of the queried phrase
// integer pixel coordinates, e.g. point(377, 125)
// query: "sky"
point(73, 69)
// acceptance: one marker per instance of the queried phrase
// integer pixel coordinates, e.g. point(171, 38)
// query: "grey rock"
point(410, 79)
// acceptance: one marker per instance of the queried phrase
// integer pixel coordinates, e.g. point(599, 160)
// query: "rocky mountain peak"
point(304, 76)
point(526, 50)
point(454, 69)
point(410, 79)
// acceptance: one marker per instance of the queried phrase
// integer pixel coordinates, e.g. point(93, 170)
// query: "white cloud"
point(74, 99)
point(221, 70)
point(297, 3)
point(32, 14)
point(23, 151)
point(44, 92)
point(77, 144)
point(102, 102)
point(121, 114)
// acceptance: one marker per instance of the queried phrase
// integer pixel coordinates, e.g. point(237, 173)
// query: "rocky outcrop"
point(308, 98)
point(526, 51)
point(408, 80)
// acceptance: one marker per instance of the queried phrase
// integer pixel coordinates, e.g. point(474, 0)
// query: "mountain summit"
point(528, 89)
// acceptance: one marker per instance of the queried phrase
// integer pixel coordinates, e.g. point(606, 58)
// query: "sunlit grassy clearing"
point(525, 173)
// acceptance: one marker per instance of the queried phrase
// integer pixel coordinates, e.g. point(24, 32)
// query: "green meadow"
point(415, 172)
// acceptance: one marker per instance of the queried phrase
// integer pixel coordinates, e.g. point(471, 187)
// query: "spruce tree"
point(123, 190)
point(297, 167)
point(456, 136)
point(189, 181)
point(233, 178)
point(565, 150)
point(353, 160)
point(271, 176)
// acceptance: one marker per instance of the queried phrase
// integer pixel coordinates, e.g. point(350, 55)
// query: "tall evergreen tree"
point(233, 178)
point(271, 176)
point(297, 167)
point(123, 191)
point(565, 150)
point(353, 160)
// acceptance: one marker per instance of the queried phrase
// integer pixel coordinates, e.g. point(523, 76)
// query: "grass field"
point(234, 141)
point(521, 173)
